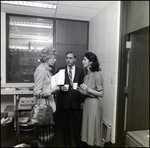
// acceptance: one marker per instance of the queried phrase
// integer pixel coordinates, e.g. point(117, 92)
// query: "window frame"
point(7, 46)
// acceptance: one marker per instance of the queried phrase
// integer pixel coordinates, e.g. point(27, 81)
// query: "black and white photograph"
point(75, 74)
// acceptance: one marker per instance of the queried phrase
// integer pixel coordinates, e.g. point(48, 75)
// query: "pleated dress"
point(92, 126)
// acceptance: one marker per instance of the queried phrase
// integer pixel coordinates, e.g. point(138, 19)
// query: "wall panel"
point(71, 36)
point(138, 15)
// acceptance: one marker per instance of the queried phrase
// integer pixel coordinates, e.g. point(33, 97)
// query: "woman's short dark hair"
point(93, 58)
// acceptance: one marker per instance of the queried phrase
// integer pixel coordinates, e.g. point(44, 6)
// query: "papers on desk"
point(26, 103)
point(10, 88)
point(6, 120)
point(58, 78)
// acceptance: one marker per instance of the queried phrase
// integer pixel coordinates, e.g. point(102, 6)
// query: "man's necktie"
point(70, 76)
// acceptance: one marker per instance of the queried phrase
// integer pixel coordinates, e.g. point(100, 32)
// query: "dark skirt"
point(45, 133)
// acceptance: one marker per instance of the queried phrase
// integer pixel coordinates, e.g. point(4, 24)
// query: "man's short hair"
point(71, 52)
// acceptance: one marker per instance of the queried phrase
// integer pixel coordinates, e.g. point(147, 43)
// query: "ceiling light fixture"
point(24, 24)
point(30, 4)
point(28, 37)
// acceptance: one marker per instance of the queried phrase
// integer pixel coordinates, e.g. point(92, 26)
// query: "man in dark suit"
point(70, 100)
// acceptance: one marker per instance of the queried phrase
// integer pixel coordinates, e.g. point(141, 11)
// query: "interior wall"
point(104, 42)
point(3, 47)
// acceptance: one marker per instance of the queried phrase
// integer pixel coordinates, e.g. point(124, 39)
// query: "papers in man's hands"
point(58, 78)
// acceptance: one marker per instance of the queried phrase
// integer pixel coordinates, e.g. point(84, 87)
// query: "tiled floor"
point(57, 141)
point(9, 142)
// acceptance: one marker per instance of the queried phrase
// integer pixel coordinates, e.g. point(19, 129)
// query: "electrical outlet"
point(112, 81)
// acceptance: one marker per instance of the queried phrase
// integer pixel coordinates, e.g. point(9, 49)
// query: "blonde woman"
point(42, 87)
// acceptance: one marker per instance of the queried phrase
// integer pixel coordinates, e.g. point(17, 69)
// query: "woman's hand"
point(55, 89)
point(84, 87)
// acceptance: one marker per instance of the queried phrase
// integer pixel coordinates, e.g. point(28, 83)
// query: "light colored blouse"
point(94, 80)
point(42, 84)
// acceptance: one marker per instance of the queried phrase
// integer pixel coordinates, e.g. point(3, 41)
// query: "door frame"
point(122, 68)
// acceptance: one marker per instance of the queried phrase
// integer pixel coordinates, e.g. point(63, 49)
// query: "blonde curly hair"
point(46, 54)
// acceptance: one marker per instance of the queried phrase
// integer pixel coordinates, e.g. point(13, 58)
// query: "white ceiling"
point(20, 36)
point(76, 10)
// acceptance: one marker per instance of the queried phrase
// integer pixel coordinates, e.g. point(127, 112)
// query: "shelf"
point(15, 92)
point(10, 108)
point(27, 74)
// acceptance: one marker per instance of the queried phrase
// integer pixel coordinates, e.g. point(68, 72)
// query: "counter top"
point(13, 92)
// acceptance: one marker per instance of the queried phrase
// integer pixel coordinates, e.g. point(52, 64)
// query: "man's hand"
point(64, 88)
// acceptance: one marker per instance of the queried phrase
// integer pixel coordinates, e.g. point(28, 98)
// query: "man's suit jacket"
point(71, 97)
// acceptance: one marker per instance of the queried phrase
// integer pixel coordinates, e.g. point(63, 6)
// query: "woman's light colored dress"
point(92, 131)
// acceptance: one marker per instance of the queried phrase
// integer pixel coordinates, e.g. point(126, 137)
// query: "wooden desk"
point(16, 93)
point(10, 108)
point(11, 92)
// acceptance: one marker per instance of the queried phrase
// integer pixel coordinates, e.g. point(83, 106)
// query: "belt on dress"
point(91, 97)
point(45, 97)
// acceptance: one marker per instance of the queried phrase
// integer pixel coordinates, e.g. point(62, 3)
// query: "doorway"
point(138, 82)
point(136, 94)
